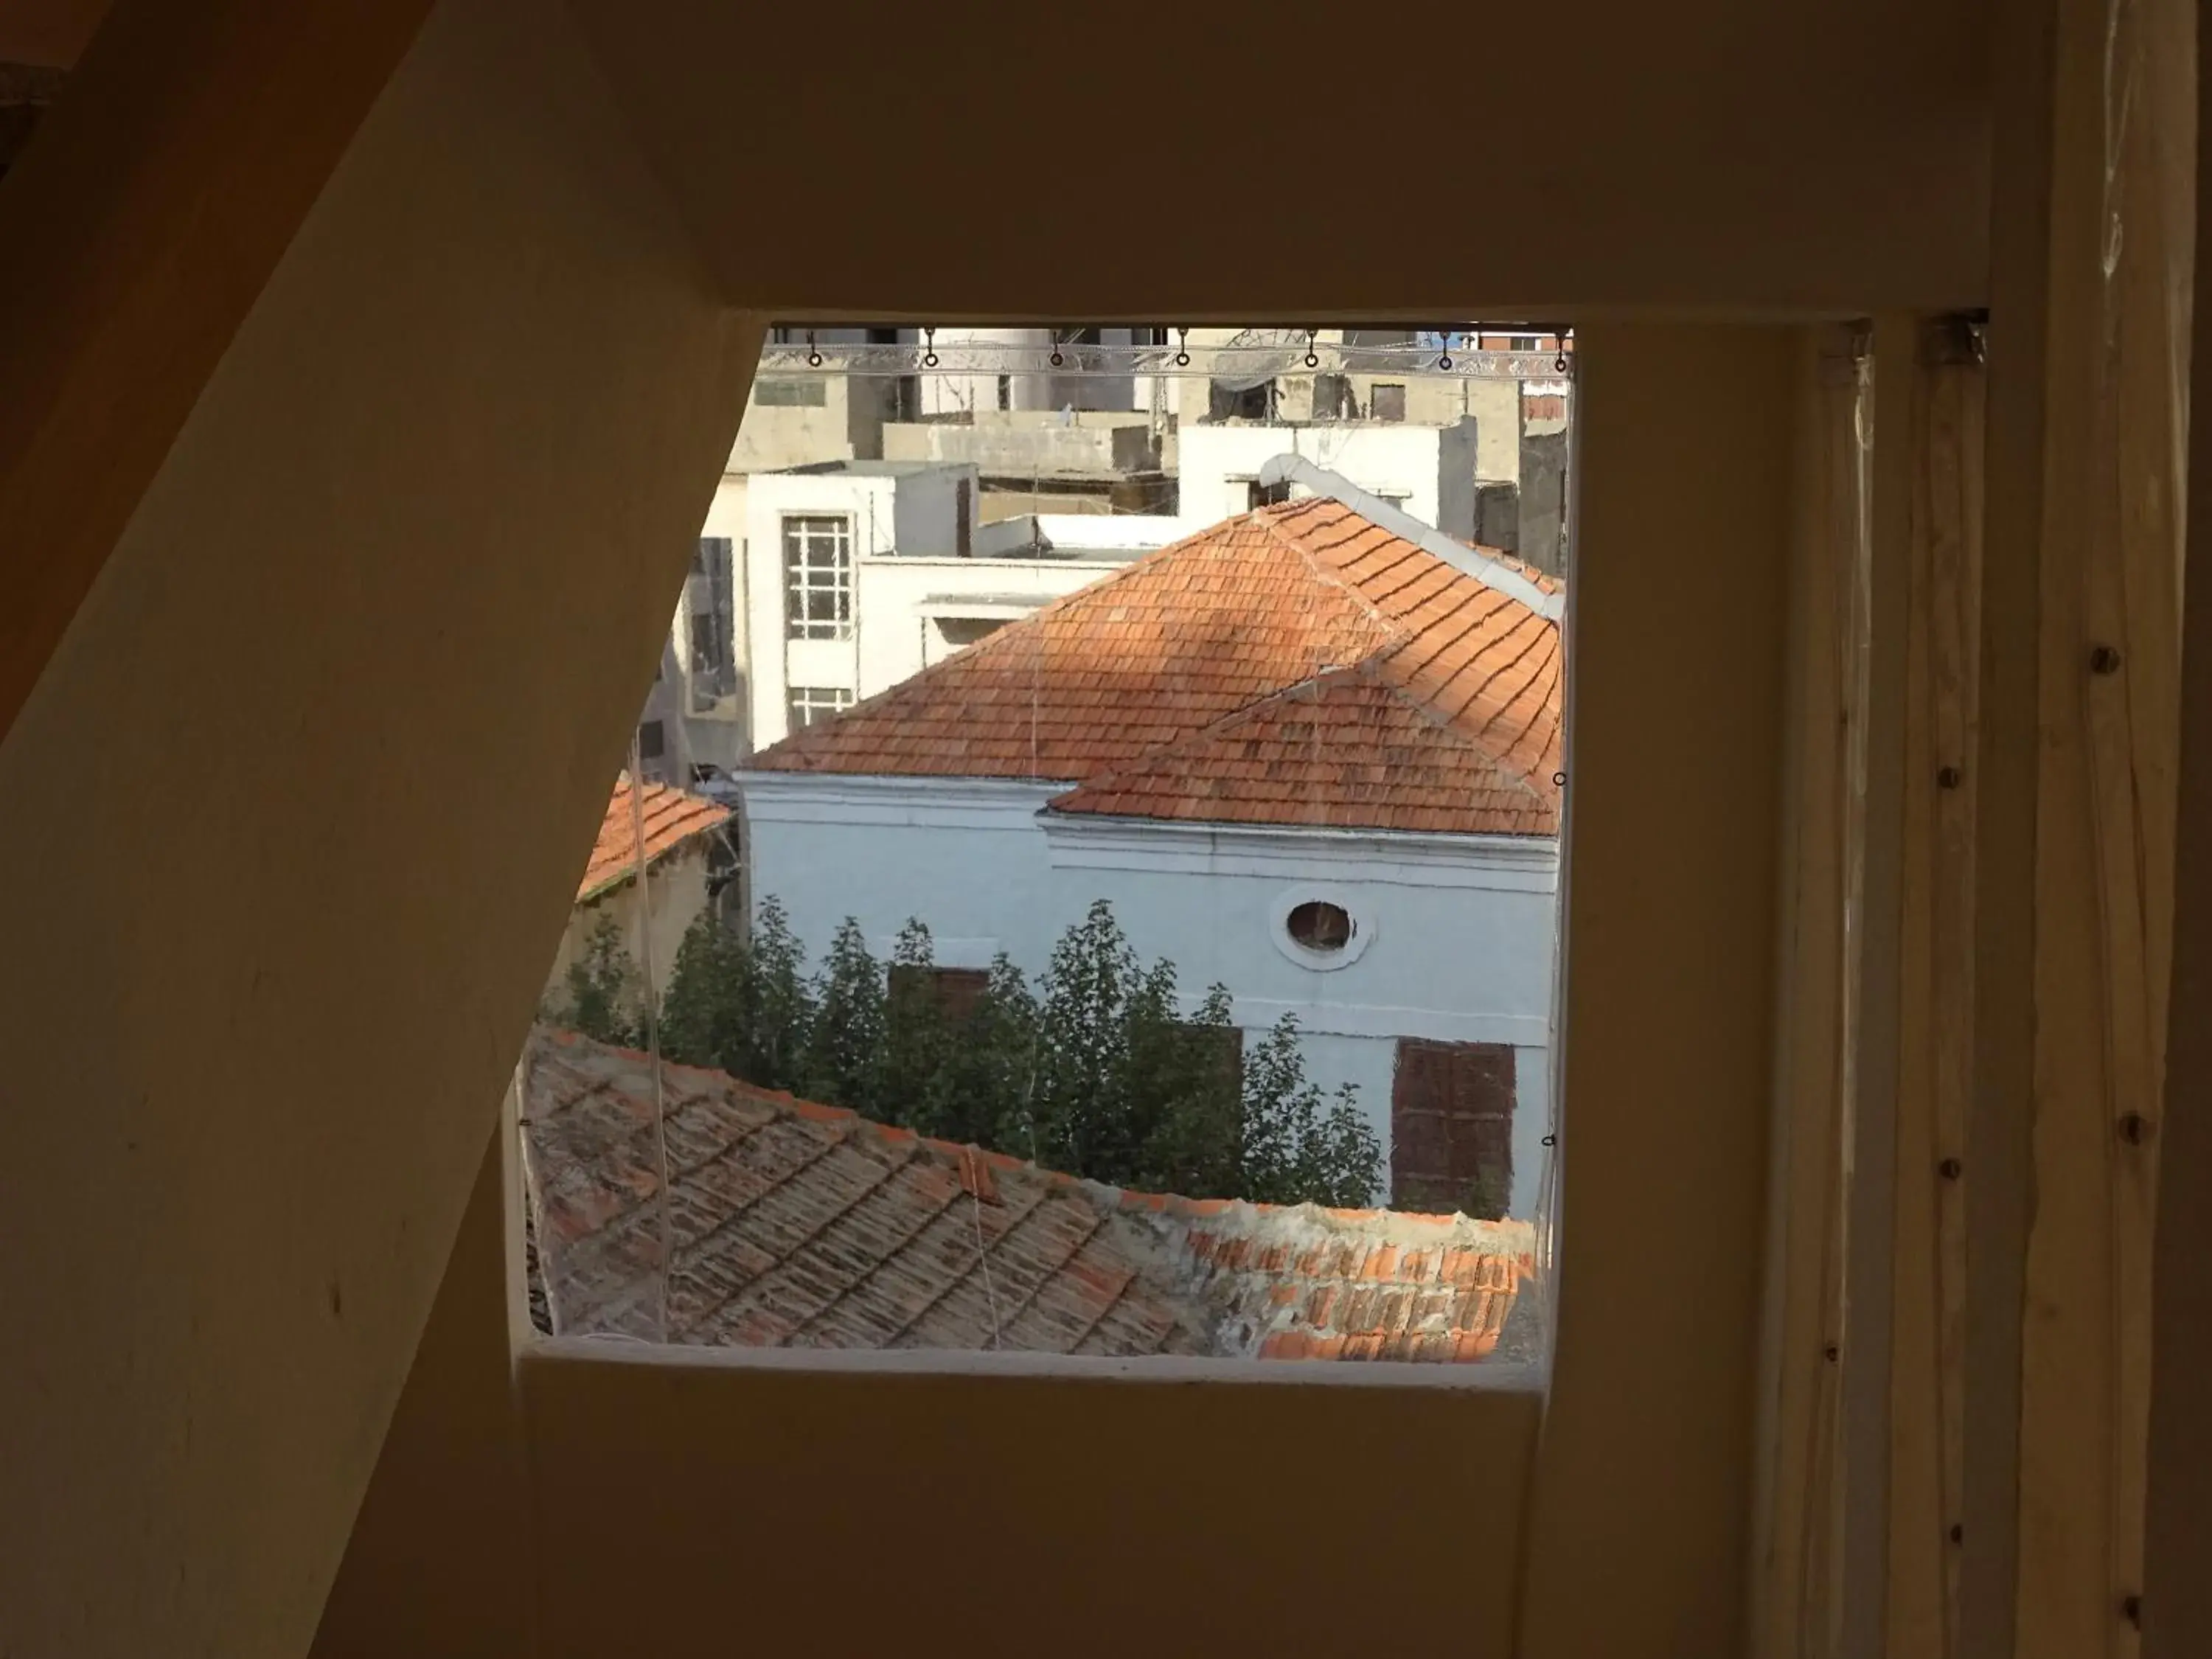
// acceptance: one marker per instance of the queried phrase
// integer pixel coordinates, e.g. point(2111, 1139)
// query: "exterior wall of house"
point(897, 641)
point(890, 639)
point(1427, 471)
point(675, 892)
point(1028, 386)
point(847, 424)
point(1455, 935)
point(925, 512)
point(719, 735)
point(870, 502)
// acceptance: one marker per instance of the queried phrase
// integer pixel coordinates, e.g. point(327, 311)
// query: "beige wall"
point(394, 594)
point(675, 892)
point(455, 1450)
point(1673, 796)
point(1864, 185)
point(708, 1475)
point(491, 380)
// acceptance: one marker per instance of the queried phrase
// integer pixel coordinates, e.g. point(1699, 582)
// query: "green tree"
point(741, 1006)
point(1294, 1151)
point(1097, 1070)
point(845, 1041)
point(1184, 1075)
point(917, 1039)
point(782, 1015)
point(1076, 1107)
point(706, 1017)
point(981, 1095)
point(603, 998)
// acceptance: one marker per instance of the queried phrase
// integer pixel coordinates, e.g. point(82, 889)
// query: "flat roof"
point(868, 469)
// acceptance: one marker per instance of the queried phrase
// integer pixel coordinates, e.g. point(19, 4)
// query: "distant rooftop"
point(1190, 685)
point(867, 469)
point(1104, 537)
point(672, 817)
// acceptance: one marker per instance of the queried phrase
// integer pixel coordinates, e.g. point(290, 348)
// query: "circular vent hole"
point(1320, 926)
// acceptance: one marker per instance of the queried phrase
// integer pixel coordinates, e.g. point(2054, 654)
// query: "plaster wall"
point(675, 892)
point(1427, 471)
point(1454, 936)
point(489, 373)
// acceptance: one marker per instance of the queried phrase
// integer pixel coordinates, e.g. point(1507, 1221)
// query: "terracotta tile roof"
point(1346, 748)
point(793, 1224)
point(672, 817)
point(1105, 678)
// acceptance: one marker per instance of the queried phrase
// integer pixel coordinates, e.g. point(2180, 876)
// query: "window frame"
point(800, 565)
point(816, 702)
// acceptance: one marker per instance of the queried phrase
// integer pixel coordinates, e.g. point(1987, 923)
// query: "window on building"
point(1452, 1127)
point(963, 517)
point(1320, 926)
point(817, 571)
point(1005, 391)
point(800, 392)
point(1258, 494)
point(651, 741)
point(957, 990)
point(809, 703)
point(954, 632)
point(1251, 403)
point(713, 607)
point(1389, 403)
point(1524, 343)
point(1332, 398)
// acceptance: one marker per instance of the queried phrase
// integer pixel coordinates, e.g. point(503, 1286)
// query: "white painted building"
point(1282, 779)
point(1427, 472)
point(1026, 377)
point(857, 575)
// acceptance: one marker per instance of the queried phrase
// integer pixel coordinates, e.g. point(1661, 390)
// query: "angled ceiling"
point(1726, 155)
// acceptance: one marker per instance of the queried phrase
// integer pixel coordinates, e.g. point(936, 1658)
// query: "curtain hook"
point(1444, 360)
point(929, 347)
point(1058, 360)
point(1183, 348)
point(1313, 357)
point(813, 354)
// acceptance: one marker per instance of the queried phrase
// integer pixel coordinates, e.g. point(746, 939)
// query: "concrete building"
point(1427, 471)
point(1055, 460)
point(856, 575)
point(1303, 757)
point(1029, 379)
point(690, 857)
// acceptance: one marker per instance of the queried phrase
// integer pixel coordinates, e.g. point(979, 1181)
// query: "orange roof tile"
point(1346, 749)
point(792, 1224)
point(672, 817)
point(1105, 680)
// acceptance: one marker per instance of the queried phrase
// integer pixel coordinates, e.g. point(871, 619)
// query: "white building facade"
point(1307, 754)
point(1454, 937)
point(856, 576)
point(1427, 472)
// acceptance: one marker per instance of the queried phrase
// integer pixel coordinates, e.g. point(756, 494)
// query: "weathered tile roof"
point(1104, 680)
point(1346, 748)
point(672, 817)
point(793, 1224)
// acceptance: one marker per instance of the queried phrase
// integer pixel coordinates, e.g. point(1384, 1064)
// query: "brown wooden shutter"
point(1451, 1127)
point(959, 991)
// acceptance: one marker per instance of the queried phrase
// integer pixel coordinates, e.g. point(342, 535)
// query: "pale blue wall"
point(1457, 938)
